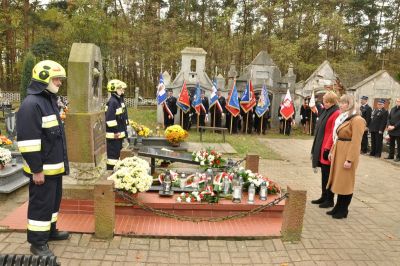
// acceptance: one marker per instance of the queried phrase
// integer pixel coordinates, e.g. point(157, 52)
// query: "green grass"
point(145, 116)
point(243, 144)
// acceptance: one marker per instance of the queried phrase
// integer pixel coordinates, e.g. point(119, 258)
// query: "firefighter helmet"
point(123, 85)
point(46, 70)
point(113, 85)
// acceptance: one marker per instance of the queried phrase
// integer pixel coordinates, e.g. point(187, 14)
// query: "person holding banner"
point(184, 106)
point(287, 113)
point(262, 111)
point(203, 117)
point(305, 113)
point(233, 108)
point(169, 109)
point(217, 110)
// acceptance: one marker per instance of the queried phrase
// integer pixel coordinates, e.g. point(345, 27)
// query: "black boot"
point(328, 201)
point(58, 235)
point(343, 207)
point(336, 208)
point(318, 201)
point(324, 181)
point(42, 250)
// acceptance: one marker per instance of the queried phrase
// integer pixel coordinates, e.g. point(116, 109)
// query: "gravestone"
point(85, 122)
point(10, 120)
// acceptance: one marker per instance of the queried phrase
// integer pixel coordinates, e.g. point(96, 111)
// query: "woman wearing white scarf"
point(348, 132)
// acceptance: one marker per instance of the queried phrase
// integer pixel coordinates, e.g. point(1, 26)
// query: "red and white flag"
point(287, 108)
point(312, 105)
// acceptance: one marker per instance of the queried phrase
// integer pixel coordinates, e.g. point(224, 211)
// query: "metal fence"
point(8, 97)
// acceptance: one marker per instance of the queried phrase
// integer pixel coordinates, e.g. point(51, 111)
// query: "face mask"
point(52, 88)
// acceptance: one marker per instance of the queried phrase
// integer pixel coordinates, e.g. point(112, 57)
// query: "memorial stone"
point(85, 123)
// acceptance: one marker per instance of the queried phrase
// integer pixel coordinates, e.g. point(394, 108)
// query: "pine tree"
point(26, 74)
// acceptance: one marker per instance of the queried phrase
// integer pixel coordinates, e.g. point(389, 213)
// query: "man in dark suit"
point(218, 112)
point(376, 127)
point(393, 127)
point(169, 109)
point(366, 112)
point(203, 117)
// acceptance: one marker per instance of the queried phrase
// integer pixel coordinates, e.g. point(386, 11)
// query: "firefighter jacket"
point(116, 118)
point(40, 133)
point(124, 111)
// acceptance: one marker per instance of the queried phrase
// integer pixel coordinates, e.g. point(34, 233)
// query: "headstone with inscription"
point(85, 122)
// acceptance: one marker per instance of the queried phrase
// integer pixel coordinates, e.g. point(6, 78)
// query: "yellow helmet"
point(46, 70)
point(113, 85)
point(123, 85)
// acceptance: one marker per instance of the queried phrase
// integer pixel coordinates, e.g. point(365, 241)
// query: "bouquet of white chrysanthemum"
point(132, 175)
point(5, 156)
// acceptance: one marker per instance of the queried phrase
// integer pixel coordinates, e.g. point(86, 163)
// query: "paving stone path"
point(369, 236)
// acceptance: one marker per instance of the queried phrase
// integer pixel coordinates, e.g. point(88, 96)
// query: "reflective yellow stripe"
point(118, 111)
point(54, 217)
point(38, 228)
point(111, 135)
point(48, 169)
point(49, 121)
point(30, 145)
point(123, 105)
point(34, 225)
point(112, 123)
point(112, 161)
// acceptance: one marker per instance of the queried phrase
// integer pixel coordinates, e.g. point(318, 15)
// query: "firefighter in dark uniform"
point(169, 109)
point(218, 112)
point(115, 122)
point(366, 112)
point(124, 109)
point(42, 143)
point(376, 127)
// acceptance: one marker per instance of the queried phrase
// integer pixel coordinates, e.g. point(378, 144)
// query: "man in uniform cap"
point(376, 127)
point(169, 109)
point(394, 130)
point(366, 112)
point(203, 117)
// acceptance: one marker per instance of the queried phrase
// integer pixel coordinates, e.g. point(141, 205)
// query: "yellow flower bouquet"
point(175, 134)
point(141, 130)
point(4, 141)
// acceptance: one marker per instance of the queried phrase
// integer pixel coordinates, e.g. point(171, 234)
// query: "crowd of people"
point(341, 135)
point(235, 124)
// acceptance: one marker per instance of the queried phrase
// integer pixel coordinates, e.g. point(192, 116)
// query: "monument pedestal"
point(86, 137)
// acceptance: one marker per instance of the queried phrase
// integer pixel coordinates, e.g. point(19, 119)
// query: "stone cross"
point(383, 59)
point(85, 122)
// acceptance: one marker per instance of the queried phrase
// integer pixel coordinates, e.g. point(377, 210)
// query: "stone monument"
point(85, 122)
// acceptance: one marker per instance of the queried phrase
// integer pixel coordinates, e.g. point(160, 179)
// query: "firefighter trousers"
point(114, 147)
point(44, 204)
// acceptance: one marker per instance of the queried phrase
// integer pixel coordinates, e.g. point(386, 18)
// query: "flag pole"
point(214, 118)
point(310, 123)
point(230, 131)
point(247, 122)
point(261, 128)
point(284, 128)
point(198, 121)
point(181, 117)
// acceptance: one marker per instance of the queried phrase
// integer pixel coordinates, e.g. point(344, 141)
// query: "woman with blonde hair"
point(322, 145)
point(347, 135)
